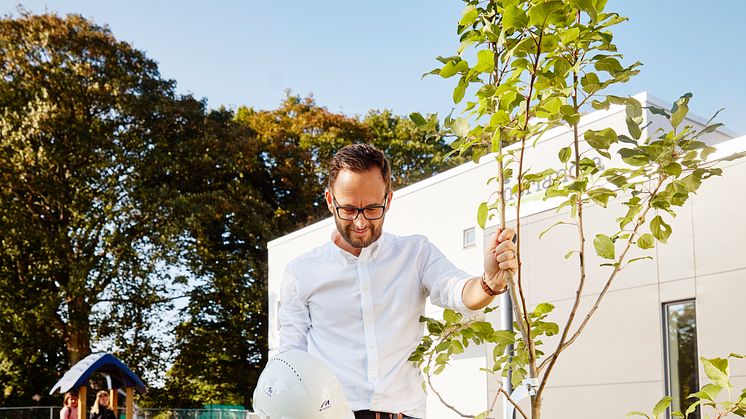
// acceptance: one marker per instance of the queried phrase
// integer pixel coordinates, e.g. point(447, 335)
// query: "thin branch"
point(158, 301)
point(640, 222)
point(430, 384)
point(581, 252)
point(527, 335)
point(518, 408)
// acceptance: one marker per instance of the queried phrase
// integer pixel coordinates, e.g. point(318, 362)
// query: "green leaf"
point(637, 413)
point(442, 346)
point(692, 407)
point(708, 392)
point(469, 16)
point(460, 90)
point(418, 119)
point(600, 140)
point(679, 115)
point(646, 241)
point(672, 169)
point(717, 371)
point(456, 347)
point(601, 195)
point(453, 67)
point(660, 229)
point(633, 128)
point(434, 328)
point(545, 13)
point(544, 328)
point(734, 156)
point(451, 316)
point(638, 259)
point(570, 35)
point(634, 157)
point(543, 308)
point(461, 127)
point(661, 406)
point(514, 17)
point(625, 139)
point(604, 246)
point(485, 61)
point(499, 119)
point(680, 109)
point(569, 114)
point(564, 154)
point(610, 65)
point(551, 227)
point(503, 337)
point(633, 110)
point(657, 111)
point(482, 214)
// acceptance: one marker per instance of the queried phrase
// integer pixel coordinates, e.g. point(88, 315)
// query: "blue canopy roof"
point(108, 364)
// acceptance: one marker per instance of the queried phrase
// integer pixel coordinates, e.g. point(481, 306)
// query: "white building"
point(620, 362)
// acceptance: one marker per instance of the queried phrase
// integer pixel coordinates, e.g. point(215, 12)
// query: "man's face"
point(360, 190)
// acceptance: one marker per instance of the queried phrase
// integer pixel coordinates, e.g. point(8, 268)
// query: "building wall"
point(617, 364)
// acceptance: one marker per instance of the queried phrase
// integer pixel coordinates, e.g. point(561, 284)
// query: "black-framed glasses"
point(350, 213)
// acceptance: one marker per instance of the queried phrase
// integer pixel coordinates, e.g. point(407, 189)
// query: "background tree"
point(80, 114)
point(266, 171)
point(122, 202)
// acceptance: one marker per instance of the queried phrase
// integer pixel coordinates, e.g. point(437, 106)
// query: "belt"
point(367, 414)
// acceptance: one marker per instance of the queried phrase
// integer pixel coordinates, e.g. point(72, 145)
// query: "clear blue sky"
point(360, 55)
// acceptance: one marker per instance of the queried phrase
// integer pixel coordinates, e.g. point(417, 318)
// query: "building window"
point(470, 237)
point(681, 354)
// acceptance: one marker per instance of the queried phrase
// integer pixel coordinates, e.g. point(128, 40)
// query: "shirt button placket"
point(368, 320)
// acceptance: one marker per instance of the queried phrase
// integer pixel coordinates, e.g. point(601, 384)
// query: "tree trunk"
point(535, 408)
point(78, 336)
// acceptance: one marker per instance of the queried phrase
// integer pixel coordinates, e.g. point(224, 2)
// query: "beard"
point(358, 242)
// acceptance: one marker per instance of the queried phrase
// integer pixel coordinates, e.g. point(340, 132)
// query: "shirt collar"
point(368, 253)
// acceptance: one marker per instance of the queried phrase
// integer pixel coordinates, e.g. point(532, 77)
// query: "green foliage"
point(541, 65)
point(717, 370)
point(454, 334)
point(81, 114)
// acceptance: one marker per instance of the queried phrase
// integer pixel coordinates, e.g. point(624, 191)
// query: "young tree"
point(538, 65)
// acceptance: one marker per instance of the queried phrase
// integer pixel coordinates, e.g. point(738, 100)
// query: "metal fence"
point(195, 414)
point(34, 412)
point(53, 412)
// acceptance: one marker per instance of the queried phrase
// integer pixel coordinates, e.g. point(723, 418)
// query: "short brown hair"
point(359, 158)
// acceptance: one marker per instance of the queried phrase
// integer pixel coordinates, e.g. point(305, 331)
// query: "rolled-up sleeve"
point(293, 316)
point(444, 281)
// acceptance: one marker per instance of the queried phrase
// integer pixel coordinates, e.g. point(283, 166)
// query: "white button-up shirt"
point(361, 315)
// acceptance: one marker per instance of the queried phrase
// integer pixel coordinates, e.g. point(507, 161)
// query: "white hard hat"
point(296, 385)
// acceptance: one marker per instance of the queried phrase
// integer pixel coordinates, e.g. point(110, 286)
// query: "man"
point(356, 301)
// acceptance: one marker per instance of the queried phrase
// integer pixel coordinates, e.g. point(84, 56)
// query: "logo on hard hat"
point(269, 390)
point(327, 404)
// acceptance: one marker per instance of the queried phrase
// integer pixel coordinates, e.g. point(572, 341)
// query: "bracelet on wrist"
point(489, 291)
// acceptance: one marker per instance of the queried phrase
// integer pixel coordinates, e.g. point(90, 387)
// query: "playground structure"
point(119, 376)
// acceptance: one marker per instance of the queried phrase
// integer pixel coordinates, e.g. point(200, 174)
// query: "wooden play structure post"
point(129, 410)
point(113, 402)
point(81, 402)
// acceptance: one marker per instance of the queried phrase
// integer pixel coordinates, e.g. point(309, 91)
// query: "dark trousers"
point(367, 414)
